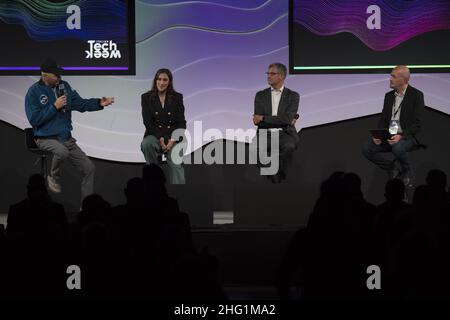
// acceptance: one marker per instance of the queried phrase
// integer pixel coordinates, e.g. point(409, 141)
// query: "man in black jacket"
point(275, 110)
point(402, 113)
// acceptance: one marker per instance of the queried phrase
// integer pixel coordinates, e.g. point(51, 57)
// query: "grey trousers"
point(151, 148)
point(70, 150)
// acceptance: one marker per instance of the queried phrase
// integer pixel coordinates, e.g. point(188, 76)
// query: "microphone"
point(61, 91)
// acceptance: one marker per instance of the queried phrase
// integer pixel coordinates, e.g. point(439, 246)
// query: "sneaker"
point(407, 181)
point(396, 171)
point(53, 186)
point(393, 173)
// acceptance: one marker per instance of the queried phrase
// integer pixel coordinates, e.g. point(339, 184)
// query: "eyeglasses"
point(272, 73)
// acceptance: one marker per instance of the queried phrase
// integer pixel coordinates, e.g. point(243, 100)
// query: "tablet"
point(382, 134)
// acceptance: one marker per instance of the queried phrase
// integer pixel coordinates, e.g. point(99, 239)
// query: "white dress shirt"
point(276, 97)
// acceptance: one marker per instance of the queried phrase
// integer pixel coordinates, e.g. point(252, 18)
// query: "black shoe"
point(280, 176)
point(276, 178)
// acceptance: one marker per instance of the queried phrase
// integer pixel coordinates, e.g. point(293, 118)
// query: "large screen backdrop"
point(218, 51)
point(89, 37)
point(369, 36)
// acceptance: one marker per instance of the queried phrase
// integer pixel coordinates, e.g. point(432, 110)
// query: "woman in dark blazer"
point(163, 116)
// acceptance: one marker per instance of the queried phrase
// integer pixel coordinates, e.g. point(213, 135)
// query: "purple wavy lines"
point(400, 20)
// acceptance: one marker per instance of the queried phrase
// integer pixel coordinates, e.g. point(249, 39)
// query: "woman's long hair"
point(170, 89)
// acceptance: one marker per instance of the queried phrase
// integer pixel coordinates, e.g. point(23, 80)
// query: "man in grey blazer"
point(275, 110)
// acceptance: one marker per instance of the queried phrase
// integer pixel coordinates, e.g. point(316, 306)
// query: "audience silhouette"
point(345, 234)
point(143, 249)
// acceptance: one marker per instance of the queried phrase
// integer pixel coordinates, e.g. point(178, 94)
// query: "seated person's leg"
point(81, 161)
point(174, 162)
point(373, 153)
point(60, 153)
point(400, 151)
point(150, 148)
point(287, 147)
point(260, 146)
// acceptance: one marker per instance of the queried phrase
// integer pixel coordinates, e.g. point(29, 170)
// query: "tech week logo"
point(105, 49)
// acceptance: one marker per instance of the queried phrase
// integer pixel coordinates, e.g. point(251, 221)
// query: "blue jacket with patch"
point(43, 116)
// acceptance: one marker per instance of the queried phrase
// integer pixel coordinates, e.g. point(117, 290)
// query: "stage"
point(237, 194)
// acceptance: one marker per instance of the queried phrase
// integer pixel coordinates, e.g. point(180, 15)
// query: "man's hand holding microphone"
point(60, 102)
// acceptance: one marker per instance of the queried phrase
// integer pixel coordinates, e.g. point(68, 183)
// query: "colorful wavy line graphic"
point(30, 13)
point(401, 20)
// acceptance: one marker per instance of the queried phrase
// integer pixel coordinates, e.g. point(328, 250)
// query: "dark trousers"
point(376, 154)
point(286, 149)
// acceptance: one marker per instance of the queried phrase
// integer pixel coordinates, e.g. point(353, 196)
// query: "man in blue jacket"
point(48, 106)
